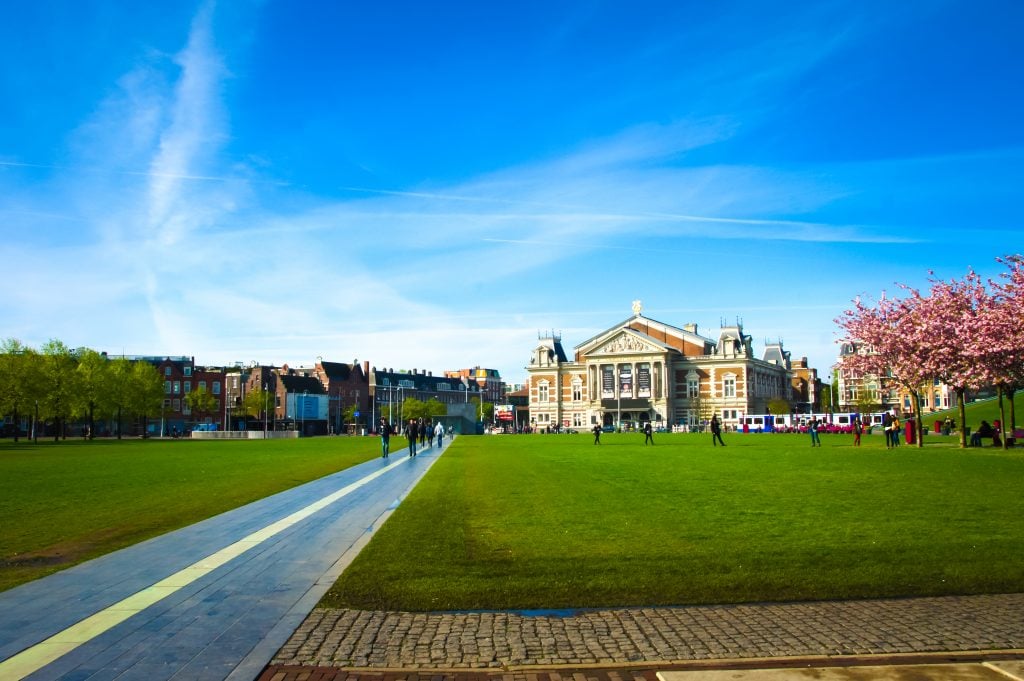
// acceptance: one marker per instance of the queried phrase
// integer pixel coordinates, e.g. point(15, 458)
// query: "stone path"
point(498, 640)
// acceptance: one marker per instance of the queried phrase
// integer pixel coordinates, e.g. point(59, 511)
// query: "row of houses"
point(319, 399)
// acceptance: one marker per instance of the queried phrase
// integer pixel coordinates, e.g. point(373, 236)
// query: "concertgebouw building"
point(644, 370)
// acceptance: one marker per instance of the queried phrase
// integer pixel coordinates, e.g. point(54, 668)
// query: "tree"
point(93, 378)
point(999, 357)
point(258, 403)
point(119, 384)
point(889, 340)
point(201, 401)
point(57, 384)
point(778, 406)
point(146, 391)
point(18, 380)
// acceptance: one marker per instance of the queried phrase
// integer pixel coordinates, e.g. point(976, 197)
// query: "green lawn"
point(64, 503)
point(552, 521)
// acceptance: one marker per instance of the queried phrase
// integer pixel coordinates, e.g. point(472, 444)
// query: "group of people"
point(417, 432)
point(647, 429)
point(986, 430)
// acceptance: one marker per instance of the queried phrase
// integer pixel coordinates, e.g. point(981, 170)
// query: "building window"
point(167, 388)
point(188, 371)
point(729, 386)
point(175, 405)
point(202, 385)
point(577, 420)
point(577, 393)
point(188, 387)
point(692, 387)
point(216, 387)
point(176, 388)
point(542, 392)
point(167, 371)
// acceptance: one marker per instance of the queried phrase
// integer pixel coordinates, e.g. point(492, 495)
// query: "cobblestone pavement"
point(493, 641)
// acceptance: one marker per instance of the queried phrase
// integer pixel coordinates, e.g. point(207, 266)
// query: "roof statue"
point(637, 307)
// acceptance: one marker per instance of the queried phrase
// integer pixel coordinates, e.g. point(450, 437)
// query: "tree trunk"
point(918, 419)
point(963, 416)
point(1002, 416)
point(1012, 394)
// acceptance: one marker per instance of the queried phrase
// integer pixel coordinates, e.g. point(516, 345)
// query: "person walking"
point(411, 434)
point(648, 434)
point(385, 438)
point(716, 431)
point(423, 428)
point(439, 433)
point(597, 433)
point(812, 428)
point(858, 428)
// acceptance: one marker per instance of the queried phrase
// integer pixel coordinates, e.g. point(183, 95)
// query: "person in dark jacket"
point(411, 433)
point(716, 431)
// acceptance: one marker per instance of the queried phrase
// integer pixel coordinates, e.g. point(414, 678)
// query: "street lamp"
point(302, 415)
point(266, 405)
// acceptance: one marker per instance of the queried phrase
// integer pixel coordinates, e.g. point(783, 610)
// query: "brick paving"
point(502, 646)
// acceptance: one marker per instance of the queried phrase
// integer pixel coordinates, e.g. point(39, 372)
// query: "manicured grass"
point(987, 410)
point(64, 503)
point(552, 521)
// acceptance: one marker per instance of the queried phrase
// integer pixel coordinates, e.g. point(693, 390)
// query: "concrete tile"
point(914, 672)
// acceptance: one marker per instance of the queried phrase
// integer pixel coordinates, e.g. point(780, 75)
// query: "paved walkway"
point(658, 636)
point(211, 601)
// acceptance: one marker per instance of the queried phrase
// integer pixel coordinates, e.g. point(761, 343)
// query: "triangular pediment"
point(622, 341)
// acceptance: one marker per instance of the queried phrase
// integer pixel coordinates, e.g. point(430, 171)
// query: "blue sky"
point(430, 185)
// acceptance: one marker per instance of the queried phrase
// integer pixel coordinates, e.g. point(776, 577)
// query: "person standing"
point(812, 428)
point(887, 429)
point(385, 438)
point(858, 428)
point(439, 432)
point(716, 431)
point(411, 434)
point(648, 434)
point(597, 433)
point(895, 431)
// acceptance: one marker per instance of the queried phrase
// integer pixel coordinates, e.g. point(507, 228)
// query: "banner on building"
point(626, 381)
point(608, 381)
point(643, 380)
point(504, 412)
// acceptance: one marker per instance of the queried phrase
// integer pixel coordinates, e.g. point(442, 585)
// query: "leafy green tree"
point(93, 380)
point(19, 383)
point(413, 408)
point(778, 406)
point(201, 401)
point(258, 403)
point(58, 384)
point(146, 391)
point(436, 408)
point(118, 398)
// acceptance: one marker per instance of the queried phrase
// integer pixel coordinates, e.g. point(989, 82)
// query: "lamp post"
point(302, 415)
point(266, 405)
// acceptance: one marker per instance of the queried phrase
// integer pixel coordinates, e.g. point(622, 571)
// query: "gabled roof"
point(338, 370)
point(627, 327)
point(298, 384)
